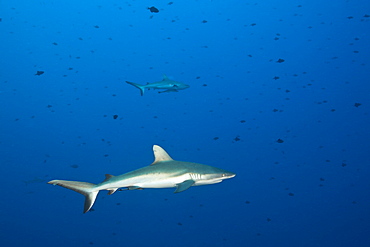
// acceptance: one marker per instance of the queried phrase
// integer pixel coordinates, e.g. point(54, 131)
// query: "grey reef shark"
point(167, 84)
point(164, 172)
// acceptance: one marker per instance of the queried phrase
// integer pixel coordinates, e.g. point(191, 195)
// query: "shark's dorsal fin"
point(160, 155)
point(107, 177)
point(165, 78)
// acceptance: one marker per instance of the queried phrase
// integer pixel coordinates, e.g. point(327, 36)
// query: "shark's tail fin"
point(86, 189)
point(141, 87)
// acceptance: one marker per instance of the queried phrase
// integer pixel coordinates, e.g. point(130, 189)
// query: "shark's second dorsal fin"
point(165, 78)
point(160, 155)
point(107, 177)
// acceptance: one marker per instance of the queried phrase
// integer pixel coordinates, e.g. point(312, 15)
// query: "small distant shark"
point(164, 172)
point(166, 83)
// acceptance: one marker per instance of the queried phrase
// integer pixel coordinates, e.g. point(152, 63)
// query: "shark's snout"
point(182, 86)
point(229, 175)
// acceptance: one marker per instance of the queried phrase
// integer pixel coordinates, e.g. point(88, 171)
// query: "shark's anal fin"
point(111, 191)
point(184, 185)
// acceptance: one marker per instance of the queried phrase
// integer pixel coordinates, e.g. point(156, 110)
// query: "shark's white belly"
point(168, 182)
point(148, 181)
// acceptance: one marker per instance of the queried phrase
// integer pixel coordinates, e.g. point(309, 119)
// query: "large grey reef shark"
point(167, 84)
point(164, 172)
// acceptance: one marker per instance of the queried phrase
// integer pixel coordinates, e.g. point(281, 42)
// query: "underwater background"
point(279, 94)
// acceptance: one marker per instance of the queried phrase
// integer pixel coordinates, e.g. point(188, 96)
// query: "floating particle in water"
point(357, 104)
point(39, 72)
point(280, 60)
point(280, 140)
point(153, 9)
point(74, 166)
point(115, 116)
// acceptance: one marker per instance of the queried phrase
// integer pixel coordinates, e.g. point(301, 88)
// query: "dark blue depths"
point(279, 94)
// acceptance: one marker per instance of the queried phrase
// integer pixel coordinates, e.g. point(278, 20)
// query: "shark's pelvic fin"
point(160, 155)
point(184, 185)
point(86, 189)
point(141, 87)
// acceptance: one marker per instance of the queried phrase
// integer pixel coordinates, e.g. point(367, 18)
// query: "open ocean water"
point(279, 94)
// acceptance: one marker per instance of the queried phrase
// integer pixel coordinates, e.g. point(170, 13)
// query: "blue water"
point(279, 94)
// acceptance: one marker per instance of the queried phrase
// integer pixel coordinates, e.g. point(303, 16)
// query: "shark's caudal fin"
point(86, 189)
point(141, 87)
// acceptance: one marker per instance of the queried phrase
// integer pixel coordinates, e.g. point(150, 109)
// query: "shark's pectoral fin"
point(169, 90)
point(184, 185)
